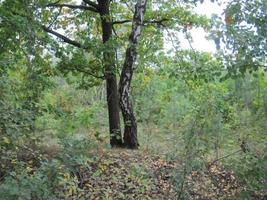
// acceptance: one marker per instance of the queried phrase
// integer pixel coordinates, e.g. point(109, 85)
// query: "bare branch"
point(122, 21)
point(128, 6)
point(226, 156)
point(153, 21)
point(64, 38)
point(81, 7)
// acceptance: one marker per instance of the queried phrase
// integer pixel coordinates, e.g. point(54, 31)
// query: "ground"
point(119, 174)
point(126, 174)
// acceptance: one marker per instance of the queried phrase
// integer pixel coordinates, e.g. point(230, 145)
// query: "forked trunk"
point(130, 126)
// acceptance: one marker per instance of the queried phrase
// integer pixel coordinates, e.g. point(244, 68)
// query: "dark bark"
point(91, 3)
point(110, 75)
point(130, 125)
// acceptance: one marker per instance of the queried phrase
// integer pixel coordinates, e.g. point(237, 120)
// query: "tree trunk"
point(110, 75)
point(130, 125)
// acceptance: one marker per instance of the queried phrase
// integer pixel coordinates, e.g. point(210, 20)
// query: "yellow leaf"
point(6, 140)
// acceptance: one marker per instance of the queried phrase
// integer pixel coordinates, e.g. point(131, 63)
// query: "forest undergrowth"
point(202, 151)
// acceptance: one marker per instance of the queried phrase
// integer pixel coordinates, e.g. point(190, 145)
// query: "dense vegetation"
point(71, 72)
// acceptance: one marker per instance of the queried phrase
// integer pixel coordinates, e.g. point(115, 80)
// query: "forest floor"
point(132, 174)
point(126, 174)
point(119, 174)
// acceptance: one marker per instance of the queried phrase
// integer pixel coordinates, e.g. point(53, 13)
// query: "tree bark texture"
point(110, 76)
point(130, 125)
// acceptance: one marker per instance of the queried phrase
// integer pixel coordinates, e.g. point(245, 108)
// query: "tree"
point(102, 7)
point(130, 131)
point(92, 58)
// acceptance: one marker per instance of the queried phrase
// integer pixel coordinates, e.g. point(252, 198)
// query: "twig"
point(191, 46)
point(80, 7)
point(55, 18)
point(226, 156)
point(82, 70)
point(129, 7)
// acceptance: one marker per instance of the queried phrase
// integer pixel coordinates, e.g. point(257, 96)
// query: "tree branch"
point(145, 21)
point(128, 6)
point(122, 21)
point(55, 18)
point(226, 156)
point(64, 38)
point(81, 7)
point(83, 70)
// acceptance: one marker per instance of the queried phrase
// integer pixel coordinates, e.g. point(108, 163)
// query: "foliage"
point(201, 117)
point(243, 36)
